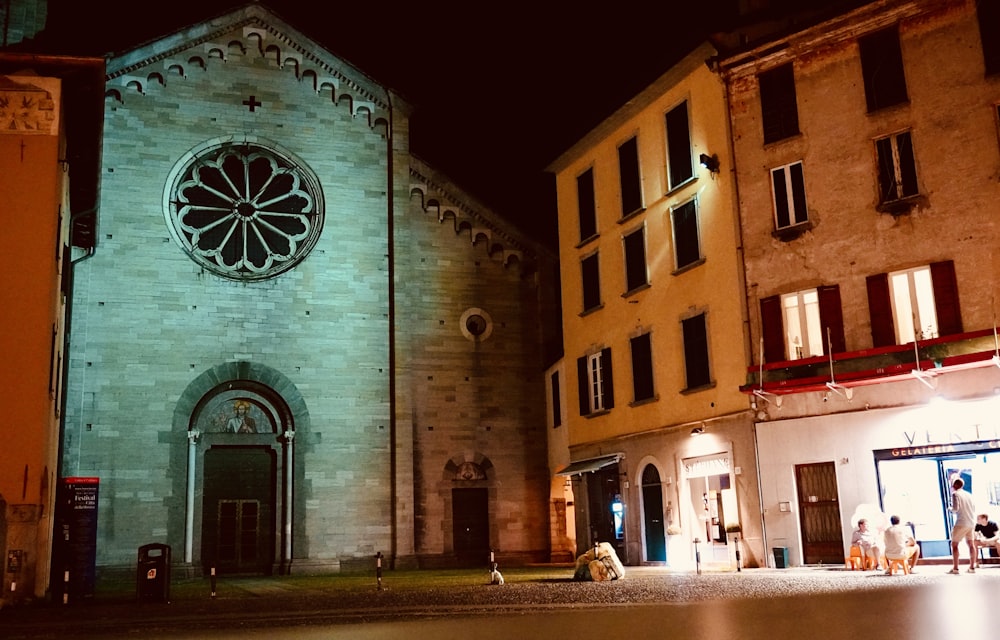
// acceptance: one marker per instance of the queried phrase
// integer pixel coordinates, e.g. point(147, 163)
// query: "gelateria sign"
point(947, 439)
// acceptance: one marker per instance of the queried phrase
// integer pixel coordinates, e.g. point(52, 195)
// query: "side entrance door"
point(819, 512)
point(238, 510)
point(652, 514)
point(470, 516)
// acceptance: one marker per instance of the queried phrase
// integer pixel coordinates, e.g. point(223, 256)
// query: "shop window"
point(696, 365)
point(914, 304)
point(631, 185)
point(687, 245)
point(802, 324)
point(586, 203)
point(642, 367)
point(680, 166)
point(789, 193)
point(591, 283)
point(779, 111)
point(595, 382)
point(882, 69)
point(636, 275)
point(897, 172)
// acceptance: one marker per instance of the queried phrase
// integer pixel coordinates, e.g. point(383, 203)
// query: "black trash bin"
point(780, 557)
point(152, 573)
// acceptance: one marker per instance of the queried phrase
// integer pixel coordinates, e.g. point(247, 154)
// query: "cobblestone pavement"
point(414, 595)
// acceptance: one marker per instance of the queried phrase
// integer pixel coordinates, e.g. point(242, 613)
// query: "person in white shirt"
point(868, 541)
point(900, 545)
point(964, 509)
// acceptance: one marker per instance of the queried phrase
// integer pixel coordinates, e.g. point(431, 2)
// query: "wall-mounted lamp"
point(710, 162)
point(697, 431)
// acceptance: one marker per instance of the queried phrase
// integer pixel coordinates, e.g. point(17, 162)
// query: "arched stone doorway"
point(241, 469)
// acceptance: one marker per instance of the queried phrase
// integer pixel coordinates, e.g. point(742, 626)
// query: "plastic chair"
point(856, 561)
point(900, 563)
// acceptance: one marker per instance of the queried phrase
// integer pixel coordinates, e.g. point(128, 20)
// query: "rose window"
point(245, 212)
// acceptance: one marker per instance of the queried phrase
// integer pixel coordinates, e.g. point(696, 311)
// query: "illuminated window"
point(882, 69)
point(680, 167)
point(586, 204)
point(687, 246)
point(779, 111)
point(596, 384)
point(803, 331)
point(636, 275)
point(789, 193)
point(244, 211)
point(631, 184)
point(802, 324)
point(897, 173)
point(914, 304)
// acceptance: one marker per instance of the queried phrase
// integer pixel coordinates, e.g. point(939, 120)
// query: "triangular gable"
point(252, 30)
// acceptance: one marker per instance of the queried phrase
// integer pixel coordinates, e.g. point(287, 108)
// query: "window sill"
point(792, 232)
point(688, 267)
point(632, 292)
point(597, 414)
point(704, 387)
point(674, 189)
point(769, 144)
point(628, 216)
point(587, 312)
point(639, 403)
point(901, 206)
point(587, 241)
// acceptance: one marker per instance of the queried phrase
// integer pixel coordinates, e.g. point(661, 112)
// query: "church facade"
point(296, 345)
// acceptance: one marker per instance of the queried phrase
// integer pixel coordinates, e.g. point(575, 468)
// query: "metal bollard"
point(378, 570)
point(739, 565)
point(697, 555)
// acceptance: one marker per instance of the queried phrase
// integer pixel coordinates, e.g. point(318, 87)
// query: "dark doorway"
point(470, 516)
point(819, 508)
point(652, 512)
point(603, 494)
point(238, 510)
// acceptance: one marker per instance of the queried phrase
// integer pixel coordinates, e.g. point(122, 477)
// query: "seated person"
point(986, 534)
point(868, 541)
point(900, 545)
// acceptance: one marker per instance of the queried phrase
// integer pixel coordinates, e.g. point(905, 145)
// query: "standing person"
point(868, 542)
point(965, 522)
point(900, 545)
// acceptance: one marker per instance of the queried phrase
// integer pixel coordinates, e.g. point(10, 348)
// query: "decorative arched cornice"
point(482, 227)
point(261, 34)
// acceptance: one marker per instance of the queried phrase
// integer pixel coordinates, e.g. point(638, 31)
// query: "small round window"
point(244, 211)
point(476, 324)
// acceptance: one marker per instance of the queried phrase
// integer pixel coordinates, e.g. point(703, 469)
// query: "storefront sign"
point(706, 466)
point(937, 449)
point(950, 434)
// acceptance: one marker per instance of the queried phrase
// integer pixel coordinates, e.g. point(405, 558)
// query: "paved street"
point(756, 603)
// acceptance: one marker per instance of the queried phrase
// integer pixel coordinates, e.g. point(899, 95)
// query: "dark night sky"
point(500, 90)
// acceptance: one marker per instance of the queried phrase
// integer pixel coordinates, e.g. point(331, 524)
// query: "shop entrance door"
point(652, 515)
point(819, 513)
